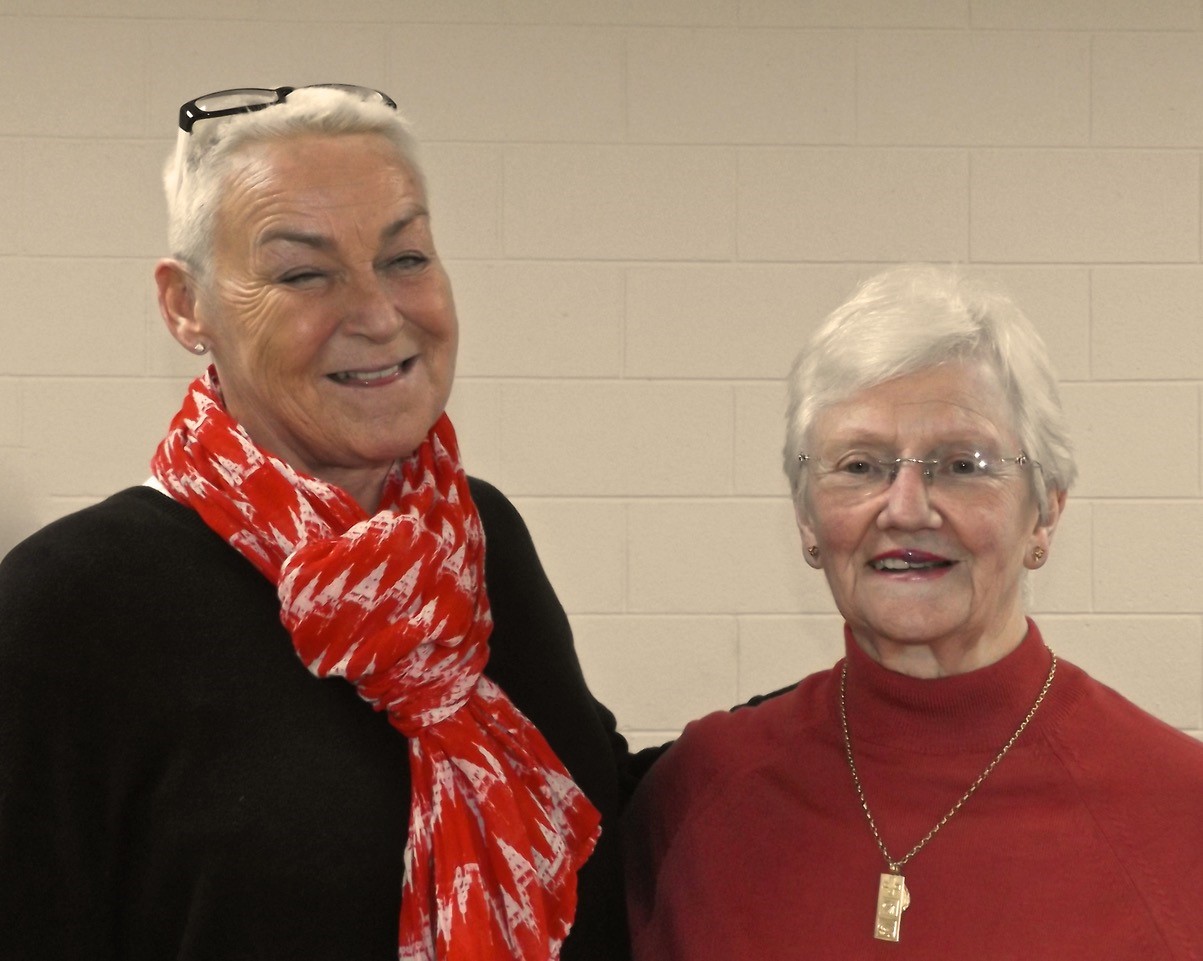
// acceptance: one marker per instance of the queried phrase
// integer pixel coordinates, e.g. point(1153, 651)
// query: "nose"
point(908, 500)
point(369, 308)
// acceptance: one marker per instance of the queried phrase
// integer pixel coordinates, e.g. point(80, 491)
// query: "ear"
point(178, 304)
point(1042, 535)
point(809, 541)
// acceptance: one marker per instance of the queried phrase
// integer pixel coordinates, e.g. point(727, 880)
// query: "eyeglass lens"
point(241, 97)
point(864, 471)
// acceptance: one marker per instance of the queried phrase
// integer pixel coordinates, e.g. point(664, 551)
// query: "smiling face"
point(928, 576)
point(330, 316)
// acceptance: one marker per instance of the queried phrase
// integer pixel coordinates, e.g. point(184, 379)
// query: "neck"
point(945, 657)
point(366, 487)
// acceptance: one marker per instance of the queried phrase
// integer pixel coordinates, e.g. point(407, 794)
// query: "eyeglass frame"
point(191, 114)
point(1020, 460)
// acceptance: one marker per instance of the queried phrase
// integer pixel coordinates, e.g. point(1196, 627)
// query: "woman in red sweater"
point(950, 789)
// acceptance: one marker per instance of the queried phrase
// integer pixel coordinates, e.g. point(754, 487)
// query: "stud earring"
point(199, 349)
point(1038, 553)
point(813, 550)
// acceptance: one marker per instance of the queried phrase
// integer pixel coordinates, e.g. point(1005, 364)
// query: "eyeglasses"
point(224, 103)
point(863, 473)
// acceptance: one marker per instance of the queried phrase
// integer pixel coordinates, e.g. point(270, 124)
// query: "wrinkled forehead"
point(953, 404)
point(346, 181)
point(316, 156)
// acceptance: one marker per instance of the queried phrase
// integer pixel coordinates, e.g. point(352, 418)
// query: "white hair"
point(915, 317)
point(197, 172)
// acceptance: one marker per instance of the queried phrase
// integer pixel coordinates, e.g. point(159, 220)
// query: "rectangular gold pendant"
point(892, 899)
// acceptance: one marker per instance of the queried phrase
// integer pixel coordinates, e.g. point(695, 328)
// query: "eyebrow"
point(401, 224)
point(322, 242)
point(890, 449)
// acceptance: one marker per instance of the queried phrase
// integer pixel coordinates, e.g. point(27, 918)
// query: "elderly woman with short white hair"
point(950, 785)
point(177, 780)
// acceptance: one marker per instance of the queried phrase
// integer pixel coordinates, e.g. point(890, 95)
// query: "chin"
point(391, 442)
point(914, 630)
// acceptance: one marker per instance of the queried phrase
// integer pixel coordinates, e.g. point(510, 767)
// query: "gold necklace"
point(892, 895)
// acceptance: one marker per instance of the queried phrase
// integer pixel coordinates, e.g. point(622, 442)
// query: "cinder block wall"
point(646, 205)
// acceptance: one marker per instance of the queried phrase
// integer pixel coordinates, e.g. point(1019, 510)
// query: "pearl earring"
point(199, 349)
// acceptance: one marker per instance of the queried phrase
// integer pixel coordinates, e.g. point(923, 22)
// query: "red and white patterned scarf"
point(396, 604)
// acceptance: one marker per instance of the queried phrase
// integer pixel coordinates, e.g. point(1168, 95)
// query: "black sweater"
point(174, 784)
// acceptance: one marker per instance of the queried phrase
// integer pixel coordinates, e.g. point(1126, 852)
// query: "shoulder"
point(1141, 781)
point(513, 570)
point(1102, 728)
point(65, 555)
point(499, 517)
point(77, 600)
point(103, 534)
point(745, 735)
point(711, 762)
point(721, 748)
point(485, 494)
point(135, 563)
point(528, 619)
point(127, 543)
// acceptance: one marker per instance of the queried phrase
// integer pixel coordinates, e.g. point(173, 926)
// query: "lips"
point(908, 560)
point(371, 376)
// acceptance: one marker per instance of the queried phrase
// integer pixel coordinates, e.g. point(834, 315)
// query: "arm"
point(54, 802)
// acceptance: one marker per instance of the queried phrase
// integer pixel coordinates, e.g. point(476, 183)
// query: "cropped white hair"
point(196, 173)
point(911, 318)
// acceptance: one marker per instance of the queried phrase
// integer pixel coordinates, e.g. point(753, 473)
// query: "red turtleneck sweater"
point(747, 840)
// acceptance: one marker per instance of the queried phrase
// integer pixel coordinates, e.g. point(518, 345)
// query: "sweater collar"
point(967, 712)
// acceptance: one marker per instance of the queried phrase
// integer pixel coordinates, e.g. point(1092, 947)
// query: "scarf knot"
point(421, 624)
